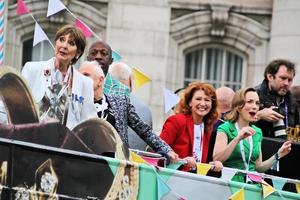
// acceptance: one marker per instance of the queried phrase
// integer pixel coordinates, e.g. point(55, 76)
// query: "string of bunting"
point(162, 187)
point(267, 189)
point(228, 173)
point(55, 6)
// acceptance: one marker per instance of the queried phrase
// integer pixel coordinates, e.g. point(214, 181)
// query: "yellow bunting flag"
point(203, 168)
point(140, 78)
point(298, 187)
point(239, 195)
point(136, 158)
point(267, 189)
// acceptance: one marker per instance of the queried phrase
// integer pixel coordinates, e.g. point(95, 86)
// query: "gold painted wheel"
point(18, 101)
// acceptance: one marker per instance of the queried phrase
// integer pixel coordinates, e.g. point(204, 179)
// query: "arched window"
point(217, 66)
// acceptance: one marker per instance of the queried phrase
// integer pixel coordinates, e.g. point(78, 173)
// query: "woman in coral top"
point(189, 131)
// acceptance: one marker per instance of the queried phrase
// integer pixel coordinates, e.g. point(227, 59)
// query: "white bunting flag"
point(39, 35)
point(171, 99)
point(54, 6)
point(227, 173)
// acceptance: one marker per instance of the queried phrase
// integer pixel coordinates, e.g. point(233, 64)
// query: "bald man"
point(224, 97)
point(118, 111)
point(102, 53)
point(122, 72)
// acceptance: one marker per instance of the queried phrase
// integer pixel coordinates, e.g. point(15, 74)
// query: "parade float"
point(49, 161)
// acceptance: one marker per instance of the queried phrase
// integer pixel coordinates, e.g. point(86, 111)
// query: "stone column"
point(285, 33)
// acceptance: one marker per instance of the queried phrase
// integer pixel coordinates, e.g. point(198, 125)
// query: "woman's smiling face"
point(200, 104)
point(249, 110)
point(65, 48)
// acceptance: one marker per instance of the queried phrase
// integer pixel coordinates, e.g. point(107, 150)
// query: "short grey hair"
point(120, 71)
point(97, 68)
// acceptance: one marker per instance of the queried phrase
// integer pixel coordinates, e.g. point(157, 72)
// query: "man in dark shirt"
point(278, 109)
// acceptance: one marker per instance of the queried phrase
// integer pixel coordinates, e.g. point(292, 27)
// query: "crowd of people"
point(216, 126)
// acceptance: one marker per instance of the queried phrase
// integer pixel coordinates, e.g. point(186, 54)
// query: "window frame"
point(223, 80)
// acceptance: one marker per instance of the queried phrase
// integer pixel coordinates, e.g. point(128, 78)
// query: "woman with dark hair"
point(238, 142)
point(189, 131)
point(60, 91)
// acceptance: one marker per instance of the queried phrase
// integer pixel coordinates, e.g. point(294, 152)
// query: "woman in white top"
point(61, 92)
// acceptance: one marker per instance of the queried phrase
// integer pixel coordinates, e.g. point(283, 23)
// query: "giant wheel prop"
point(17, 99)
point(98, 136)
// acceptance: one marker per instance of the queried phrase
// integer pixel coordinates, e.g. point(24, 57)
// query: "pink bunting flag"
point(255, 178)
point(151, 160)
point(85, 29)
point(22, 8)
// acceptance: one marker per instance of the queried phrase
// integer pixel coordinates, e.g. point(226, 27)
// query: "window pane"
point(221, 67)
point(193, 66)
point(214, 64)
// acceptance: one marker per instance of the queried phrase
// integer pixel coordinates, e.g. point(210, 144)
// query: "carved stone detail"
point(219, 18)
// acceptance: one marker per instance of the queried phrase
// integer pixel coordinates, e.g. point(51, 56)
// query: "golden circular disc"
point(17, 98)
point(101, 137)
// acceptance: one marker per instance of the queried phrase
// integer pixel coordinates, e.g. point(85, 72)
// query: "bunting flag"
point(2, 10)
point(176, 165)
point(151, 160)
point(116, 56)
point(255, 178)
point(39, 35)
point(136, 158)
point(162, 187)
point(298, 187)
point(22, 8)
point(54, 6)
point(203, 168)
point(267, 189)
point(278, 183)
point(85, 29)
point(227, 173)
point(140, 78)
point(239, 195)
point(171, 99)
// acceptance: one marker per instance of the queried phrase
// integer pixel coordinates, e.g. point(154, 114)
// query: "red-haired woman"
point(189, 131)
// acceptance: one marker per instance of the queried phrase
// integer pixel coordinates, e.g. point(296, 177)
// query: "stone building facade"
point(224, 42)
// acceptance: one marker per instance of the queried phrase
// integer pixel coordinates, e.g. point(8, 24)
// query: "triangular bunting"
point(54, 6)
point(116, 56)
point(39, 35)
point(176, 165)
point(239, 195)
point(298, 187)
point(255, 177)
point(227, 173)
point(162, 187)
point(136, 158)
point(203, 168)
point(22, 8)
point(278, 183)
point(85, 29)
point(140, 78)
point(267, 189)
point(171, 99)
point(151, 160)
